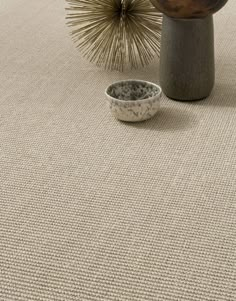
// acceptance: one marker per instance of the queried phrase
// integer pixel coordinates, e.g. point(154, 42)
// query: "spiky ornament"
point(116, 34)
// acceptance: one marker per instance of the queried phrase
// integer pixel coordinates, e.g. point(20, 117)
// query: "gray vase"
point(187, 67)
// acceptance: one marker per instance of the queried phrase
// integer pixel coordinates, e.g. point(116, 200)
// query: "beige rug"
point(92, 209)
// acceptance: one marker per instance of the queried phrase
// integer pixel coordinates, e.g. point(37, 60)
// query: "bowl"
point(133, 100)
point(188, 8)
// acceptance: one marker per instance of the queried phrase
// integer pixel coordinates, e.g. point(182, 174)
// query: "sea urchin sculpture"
point(116, 34)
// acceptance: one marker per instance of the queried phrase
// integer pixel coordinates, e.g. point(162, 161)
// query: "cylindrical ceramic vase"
point(187, 67)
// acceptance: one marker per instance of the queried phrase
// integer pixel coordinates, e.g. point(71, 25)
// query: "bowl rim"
point(137, 100)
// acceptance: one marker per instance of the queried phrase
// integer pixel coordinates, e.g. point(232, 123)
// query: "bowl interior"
point(133, 90)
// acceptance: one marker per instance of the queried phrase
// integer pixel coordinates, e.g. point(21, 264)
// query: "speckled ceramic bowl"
point(133, 100)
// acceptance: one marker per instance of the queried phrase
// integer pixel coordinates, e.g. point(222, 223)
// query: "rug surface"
point(93, 209)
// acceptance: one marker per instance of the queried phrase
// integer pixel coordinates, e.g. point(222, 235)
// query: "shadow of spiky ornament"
point(116, 34)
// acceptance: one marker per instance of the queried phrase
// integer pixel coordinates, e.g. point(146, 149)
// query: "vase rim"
point(190, 19)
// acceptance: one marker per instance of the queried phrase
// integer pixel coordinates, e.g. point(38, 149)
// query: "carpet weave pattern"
point(93, 209)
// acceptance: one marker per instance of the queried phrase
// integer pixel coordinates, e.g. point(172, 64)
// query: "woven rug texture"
point(93, 209)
